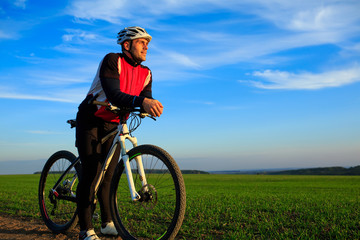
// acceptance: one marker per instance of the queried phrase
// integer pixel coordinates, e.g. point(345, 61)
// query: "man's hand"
point(153, 107)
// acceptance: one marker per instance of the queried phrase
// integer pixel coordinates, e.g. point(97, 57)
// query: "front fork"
point(135, 196)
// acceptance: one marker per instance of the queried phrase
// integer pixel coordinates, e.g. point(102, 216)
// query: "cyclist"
point(122, 80)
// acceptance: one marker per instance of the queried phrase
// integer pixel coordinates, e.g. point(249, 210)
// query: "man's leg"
point(89, 150)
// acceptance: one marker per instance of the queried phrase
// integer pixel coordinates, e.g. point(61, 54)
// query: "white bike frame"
point(122, 134)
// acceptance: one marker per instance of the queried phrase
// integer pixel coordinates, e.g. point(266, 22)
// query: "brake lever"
point(143, 115)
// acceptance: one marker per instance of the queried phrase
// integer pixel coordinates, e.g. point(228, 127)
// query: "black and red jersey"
point(122, 82)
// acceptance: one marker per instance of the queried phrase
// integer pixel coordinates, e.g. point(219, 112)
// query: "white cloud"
point(308, 81)
point(117, 10)
point(248, 48)
point(337, 17)
point(307, 15)
point(313, 19)
point(108, 10)
point(57, 79)
point(20, 3)
point(182, 59)
point(65, 95)
point(80, 36)
point(34, 97)
point(80, 42)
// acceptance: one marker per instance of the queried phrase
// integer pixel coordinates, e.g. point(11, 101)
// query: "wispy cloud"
point(314, 16)
point(273, 79)
point(182, 59)
point(108, 10)
point(232, 48)
point(20, 3)
point(78, 36)
point(70, 95)
point(80, 42)
point(15, 95)
point(57, 79)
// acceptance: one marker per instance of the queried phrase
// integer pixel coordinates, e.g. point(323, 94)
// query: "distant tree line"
point(156, 171)
point(193, 172)
point(320, 171)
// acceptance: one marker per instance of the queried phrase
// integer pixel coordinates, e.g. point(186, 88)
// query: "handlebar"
point(118, 110)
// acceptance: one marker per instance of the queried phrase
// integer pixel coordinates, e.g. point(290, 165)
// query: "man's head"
point(134, 42)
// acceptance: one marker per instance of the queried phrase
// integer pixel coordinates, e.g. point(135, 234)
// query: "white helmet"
point(131, 33)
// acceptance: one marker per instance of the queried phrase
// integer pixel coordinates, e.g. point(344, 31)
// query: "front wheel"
point(160, 211)
point(57, 191)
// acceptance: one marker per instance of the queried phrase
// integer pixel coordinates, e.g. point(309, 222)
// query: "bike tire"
point(58, 213)
point(162, 214)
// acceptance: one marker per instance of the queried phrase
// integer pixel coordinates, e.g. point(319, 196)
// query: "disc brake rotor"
point(148, 195)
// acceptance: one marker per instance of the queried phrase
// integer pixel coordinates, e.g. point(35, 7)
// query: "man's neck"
point(130, 59)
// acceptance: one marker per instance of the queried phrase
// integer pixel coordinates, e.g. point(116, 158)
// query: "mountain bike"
point(147, 196)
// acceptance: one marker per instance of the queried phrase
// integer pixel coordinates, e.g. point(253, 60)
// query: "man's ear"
point(126, 45)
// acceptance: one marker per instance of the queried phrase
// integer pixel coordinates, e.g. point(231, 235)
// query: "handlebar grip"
point(93, 101)
point(100, 103)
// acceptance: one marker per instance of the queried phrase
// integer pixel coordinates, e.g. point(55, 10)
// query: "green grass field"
point(241, 206)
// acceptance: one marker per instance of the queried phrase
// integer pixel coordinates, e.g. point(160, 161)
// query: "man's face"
point(139, 49)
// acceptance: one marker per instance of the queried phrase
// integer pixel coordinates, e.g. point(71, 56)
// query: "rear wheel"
point(57, 192)
point(160, 211)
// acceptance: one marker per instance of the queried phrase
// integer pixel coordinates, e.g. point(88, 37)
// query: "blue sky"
point(245, 84)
